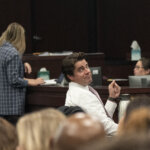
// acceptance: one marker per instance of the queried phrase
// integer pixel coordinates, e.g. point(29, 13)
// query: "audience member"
point(136, 103)
point(138, 121)
point(135, 141)
point(142, 67)
point(77, 73)
point(8, 135)
point(12, 81)
point(36, 129)
point(77, 131)
point(70, 110)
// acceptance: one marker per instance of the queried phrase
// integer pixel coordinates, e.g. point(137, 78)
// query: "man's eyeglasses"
point(138, 67)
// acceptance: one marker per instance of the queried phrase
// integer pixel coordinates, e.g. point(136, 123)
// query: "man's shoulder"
point(74, 85)
point(76, 92)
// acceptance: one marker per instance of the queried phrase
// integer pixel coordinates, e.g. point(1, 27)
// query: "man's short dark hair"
point(68, 63)
point(145, 63)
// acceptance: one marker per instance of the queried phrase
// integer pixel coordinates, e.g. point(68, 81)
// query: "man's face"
point(139, 70)
point(82, 74)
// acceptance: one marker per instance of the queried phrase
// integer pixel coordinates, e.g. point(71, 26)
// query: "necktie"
point(97, 95)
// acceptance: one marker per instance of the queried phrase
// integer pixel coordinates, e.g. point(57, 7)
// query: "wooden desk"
point(53, 63)
point(45, 96)
point(52, 96)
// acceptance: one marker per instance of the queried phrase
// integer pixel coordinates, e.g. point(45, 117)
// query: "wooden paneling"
point(51, 96)
point(81, 25)
point(121, 22)
point(61, 25)
point(53, 63)
point(16, 11)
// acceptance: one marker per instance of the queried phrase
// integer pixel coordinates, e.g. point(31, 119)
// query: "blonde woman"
point(138, 121)
point(12, 81)
point(8, 135)
point(36, 129)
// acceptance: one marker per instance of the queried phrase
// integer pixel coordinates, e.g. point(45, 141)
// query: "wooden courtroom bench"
point(54, 96)
point(53, 63)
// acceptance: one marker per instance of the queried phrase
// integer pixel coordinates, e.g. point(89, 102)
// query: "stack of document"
point(65, 53)
point(50, 82)
point(60, 53)
point(44, 54)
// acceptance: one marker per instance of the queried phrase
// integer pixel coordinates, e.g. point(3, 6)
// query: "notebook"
point(50, 82)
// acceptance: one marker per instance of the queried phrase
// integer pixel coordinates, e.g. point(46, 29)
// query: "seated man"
point(77, 73)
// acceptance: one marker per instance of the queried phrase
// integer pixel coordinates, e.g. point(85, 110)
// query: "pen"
point(109, 80)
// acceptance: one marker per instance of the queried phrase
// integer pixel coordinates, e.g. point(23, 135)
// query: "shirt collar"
point(74, 84)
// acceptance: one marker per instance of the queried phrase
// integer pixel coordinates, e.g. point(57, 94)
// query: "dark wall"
point(63, 25)
point(59, 25)
point(121, 22)
point(16, 11)
point(81, 25)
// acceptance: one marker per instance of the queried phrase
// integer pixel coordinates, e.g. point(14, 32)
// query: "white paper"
point(50, 82)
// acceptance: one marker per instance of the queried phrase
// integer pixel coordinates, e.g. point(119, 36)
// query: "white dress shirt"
point(78, 95)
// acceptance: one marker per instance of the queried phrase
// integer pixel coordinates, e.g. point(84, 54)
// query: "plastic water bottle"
point(135, 54)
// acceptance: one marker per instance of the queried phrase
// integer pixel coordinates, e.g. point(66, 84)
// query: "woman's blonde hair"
point(8, 135)
point(35, 129)
point(14, 34)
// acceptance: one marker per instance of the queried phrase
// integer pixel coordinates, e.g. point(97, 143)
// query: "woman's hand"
point(28, 68)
